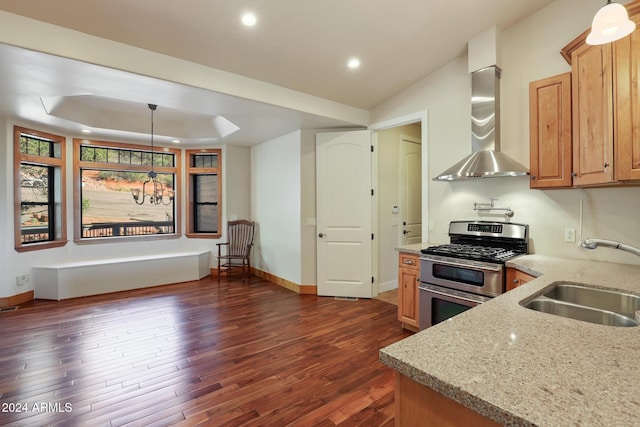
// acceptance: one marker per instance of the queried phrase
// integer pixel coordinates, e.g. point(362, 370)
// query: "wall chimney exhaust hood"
point(486, 160)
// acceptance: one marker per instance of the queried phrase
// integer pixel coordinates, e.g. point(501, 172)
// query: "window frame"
point(59, 226)
point(78, 165)
point(191, 172)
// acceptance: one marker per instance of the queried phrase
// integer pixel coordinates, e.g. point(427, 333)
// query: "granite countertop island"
point(517, 366)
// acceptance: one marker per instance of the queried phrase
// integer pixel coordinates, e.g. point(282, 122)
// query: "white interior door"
point(344, 214)
point(411, 190)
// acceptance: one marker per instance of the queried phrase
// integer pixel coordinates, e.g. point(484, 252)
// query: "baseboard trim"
point(388, 286)
point(300, 289)
point(17, 299)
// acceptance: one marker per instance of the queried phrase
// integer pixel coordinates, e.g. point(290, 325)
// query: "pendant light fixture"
point(156, 192)
point(611, 23)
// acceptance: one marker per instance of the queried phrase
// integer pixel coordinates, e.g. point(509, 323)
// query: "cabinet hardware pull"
point(606, 165)
point(320, 235)
point(533, 177)
point(408, 261)
point(516, 281)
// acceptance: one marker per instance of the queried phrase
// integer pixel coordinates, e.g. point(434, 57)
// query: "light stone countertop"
point(414, 248)
point(522, 367)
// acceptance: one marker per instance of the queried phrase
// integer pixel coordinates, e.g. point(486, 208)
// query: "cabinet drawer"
point(409, 261)
point(517, 278)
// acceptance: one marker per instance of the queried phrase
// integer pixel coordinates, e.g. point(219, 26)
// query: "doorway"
point(396, 204)
point(410, 190)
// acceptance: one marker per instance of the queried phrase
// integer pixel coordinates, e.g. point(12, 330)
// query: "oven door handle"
point(446, 294)
point(462, 265)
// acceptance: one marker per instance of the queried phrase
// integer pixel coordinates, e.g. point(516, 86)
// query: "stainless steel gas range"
point(469, 270)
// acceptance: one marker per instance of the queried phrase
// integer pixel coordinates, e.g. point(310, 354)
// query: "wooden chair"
point(240, 240)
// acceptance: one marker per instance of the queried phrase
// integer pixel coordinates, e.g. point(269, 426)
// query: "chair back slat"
point(240, 236)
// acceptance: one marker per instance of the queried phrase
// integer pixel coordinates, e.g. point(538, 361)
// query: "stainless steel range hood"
point(486, 160)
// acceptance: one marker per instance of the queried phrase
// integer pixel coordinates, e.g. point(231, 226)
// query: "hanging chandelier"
point(611, 23)
point(155, 193)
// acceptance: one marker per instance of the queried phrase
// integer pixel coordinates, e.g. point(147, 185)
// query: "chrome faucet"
point(594, 243)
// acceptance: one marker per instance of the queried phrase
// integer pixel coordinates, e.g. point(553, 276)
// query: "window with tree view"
point(126, 191)
point(204, 190)
point(39, 191)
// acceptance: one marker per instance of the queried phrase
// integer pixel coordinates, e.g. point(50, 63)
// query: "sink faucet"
point(594, 243)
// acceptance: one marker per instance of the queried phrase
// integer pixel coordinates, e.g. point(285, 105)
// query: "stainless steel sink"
point(579, 312)
point(581, 302)
point(616, 301)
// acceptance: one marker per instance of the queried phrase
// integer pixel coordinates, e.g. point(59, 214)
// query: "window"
point(117, 196)
point(39, 190)
point(205, 195)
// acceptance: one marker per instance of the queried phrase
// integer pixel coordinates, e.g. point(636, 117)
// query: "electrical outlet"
point(431, 226)
point(22, 280)
point(570, 235)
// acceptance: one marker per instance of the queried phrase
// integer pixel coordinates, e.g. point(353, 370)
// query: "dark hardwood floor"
point(198, 353)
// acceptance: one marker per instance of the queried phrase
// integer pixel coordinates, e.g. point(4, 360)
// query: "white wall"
point(237, 173)
point(235, 181)
point(308, 207)
point(276, 206)
point(6, 212)
point(530, 51)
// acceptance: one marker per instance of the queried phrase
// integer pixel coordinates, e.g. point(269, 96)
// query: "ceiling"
point(300, 45)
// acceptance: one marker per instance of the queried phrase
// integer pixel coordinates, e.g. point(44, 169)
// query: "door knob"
point(320, 235)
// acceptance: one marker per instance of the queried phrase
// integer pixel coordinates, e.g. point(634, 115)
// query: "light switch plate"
point(22, 280)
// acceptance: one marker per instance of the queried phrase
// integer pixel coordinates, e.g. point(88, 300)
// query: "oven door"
point(439, 304)
point(482, 278)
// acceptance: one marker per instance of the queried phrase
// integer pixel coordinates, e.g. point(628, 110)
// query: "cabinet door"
point(626, 54)
point(592, 115)
point(550, 132)
point(408, 292)
point(408, 296)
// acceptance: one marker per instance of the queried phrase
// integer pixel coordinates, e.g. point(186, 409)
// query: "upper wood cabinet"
point(550, 132)
point(592, 115)
point(606, 108)
point(626, 54)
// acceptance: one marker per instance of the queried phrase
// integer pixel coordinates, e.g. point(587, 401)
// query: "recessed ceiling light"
point(353, 63)
point(176, 141)
point(249, 19)
point(85, 131)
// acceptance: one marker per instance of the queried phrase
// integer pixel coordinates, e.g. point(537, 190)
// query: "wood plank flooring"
point(389, 296)
point(198, 353)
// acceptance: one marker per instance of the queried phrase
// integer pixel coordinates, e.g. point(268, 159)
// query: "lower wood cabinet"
point(418, 405)
point(408, 293)
point(517, 278)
